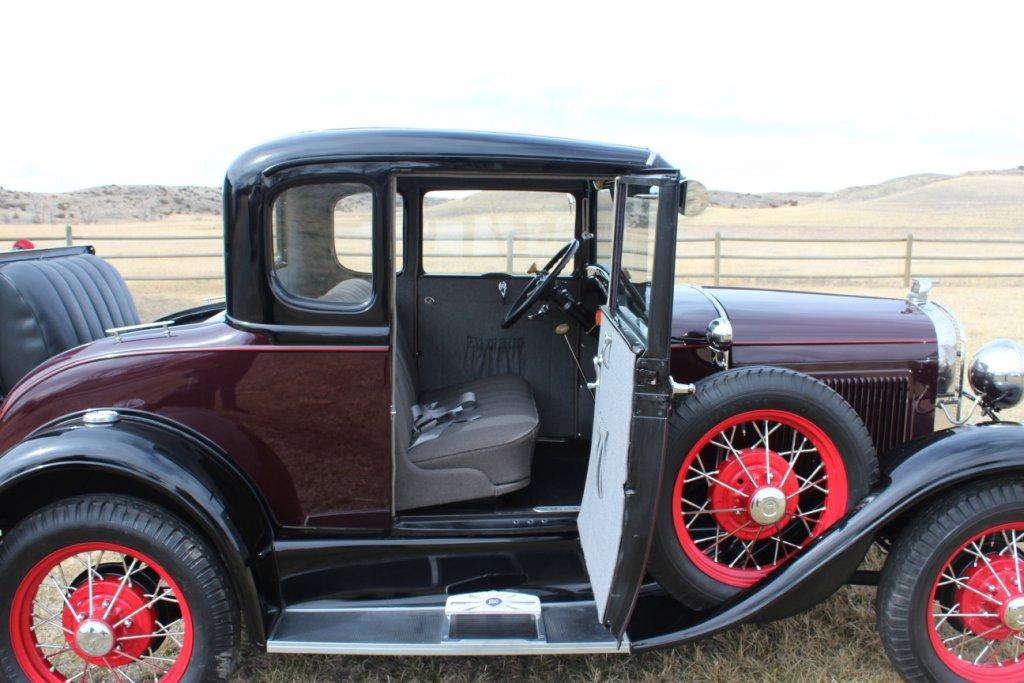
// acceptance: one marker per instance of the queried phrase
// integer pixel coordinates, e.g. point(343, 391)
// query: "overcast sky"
point(751, 97)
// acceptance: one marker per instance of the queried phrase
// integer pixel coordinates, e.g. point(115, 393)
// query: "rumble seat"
point(52, 300)
point(482, 452)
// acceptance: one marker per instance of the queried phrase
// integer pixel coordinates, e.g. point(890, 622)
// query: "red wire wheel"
point(753, 491)
point(100, 611)
point(976, 610)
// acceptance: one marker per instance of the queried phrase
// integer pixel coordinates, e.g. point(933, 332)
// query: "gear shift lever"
point(562, 330)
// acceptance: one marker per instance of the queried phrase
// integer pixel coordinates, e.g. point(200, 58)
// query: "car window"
point(494, 231)
point(605, 227)
point(640, 223)
point(323, 242)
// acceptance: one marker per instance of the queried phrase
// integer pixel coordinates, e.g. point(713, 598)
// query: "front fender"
point(910, 478)
point(165, 464)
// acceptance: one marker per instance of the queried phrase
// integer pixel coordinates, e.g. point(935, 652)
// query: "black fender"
point(158, 460)
point(911, 477)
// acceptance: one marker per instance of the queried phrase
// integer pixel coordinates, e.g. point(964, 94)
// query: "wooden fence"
point(903, 256)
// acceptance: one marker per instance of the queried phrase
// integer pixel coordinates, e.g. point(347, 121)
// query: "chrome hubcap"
point(767, 505)
point(95, 638)
point(1013, 614)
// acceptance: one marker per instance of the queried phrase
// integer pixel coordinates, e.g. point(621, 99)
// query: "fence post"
point(718, 258)
point(510, 241)
point(908, 260)
point(69, 239)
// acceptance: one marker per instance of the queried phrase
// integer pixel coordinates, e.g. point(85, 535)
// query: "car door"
point(633, 395)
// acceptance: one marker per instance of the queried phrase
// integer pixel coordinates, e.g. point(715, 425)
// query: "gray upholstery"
point(54, 300)
point(486, 456)
point(353, 290)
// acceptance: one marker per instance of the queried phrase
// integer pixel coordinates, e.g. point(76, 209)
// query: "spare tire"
point(760, 462)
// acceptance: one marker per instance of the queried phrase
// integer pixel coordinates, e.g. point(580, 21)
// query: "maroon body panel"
point(879, 354)
point(310, 425)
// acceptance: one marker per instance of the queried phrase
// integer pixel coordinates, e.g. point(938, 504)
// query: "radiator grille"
point(883, 402)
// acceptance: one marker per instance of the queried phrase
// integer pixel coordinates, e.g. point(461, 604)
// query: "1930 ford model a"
point(379, 446)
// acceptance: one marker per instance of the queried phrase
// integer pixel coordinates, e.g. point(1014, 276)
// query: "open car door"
point(633, 397)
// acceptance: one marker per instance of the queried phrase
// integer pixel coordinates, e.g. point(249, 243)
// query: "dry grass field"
point(834, 642)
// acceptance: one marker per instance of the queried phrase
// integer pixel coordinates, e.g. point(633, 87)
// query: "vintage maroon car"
point(386, 441)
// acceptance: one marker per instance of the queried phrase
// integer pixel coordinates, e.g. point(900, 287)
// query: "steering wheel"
point(541, 285)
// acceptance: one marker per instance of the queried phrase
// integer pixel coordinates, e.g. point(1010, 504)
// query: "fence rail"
point(906, 253)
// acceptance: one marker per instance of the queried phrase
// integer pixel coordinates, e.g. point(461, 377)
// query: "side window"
point(323, 242)
point(489, 231)
point(605, 227)
point(399, 233)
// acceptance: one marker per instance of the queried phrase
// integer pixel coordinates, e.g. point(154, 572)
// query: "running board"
point(486, 623)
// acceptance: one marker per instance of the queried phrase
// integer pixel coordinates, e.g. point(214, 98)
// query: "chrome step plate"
point(492, 602)
point(493, 615)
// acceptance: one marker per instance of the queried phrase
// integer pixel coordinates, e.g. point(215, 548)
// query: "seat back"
point(52, 300)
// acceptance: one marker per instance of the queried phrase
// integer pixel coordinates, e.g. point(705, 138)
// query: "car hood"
point(766, 317)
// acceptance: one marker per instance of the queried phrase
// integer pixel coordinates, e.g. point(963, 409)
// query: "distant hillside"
point(128, 203)
point(1008, 182)
point(108, 204)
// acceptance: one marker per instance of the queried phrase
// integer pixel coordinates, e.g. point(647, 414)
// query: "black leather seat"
point(52, 300)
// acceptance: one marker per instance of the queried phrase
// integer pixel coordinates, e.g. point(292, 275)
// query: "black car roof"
point(450, 146)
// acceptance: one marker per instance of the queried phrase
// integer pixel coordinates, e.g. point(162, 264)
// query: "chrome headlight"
point(997, 373)
point(952, 342)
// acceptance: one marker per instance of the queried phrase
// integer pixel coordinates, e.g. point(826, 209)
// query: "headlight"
point(997, 373)
point(949, 334)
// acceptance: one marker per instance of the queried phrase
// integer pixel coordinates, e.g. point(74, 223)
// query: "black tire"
point(920, 553)
point(717, 399)
point(148, 530)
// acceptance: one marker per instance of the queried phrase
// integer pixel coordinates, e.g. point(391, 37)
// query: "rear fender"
point(911, 477)
point(161, 462)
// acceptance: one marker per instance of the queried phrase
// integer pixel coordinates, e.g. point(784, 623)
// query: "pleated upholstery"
point(49, 305)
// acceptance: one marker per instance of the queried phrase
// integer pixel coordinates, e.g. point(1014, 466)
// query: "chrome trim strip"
point(355, 608)
point(118, 332)
point(713, 300)
point(449, 648)
point(651, 157)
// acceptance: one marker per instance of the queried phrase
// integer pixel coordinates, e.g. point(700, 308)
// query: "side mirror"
point(693, 198)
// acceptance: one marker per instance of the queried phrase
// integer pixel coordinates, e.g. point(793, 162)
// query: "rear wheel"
point(761, 461)
point(951, 595)
point(113, 589)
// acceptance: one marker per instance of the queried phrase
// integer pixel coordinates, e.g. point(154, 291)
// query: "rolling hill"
point(131, 203)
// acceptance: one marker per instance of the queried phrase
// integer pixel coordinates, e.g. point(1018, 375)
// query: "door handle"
point(602, 446)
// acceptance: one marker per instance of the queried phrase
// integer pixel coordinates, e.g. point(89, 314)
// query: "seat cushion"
point(498, 437)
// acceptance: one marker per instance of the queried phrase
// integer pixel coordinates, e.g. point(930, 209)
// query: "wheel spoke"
point(988, 565)
point(796, 456)
point(120, 587)
point(67, 603)
point(960, 584)
point(1016, 560)
point(710, 478)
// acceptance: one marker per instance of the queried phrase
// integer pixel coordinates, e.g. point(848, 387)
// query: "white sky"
point(752, 97)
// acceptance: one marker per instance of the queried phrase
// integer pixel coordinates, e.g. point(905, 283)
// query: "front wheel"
point(113, 589)
point(951, 595)
point(760, 462)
